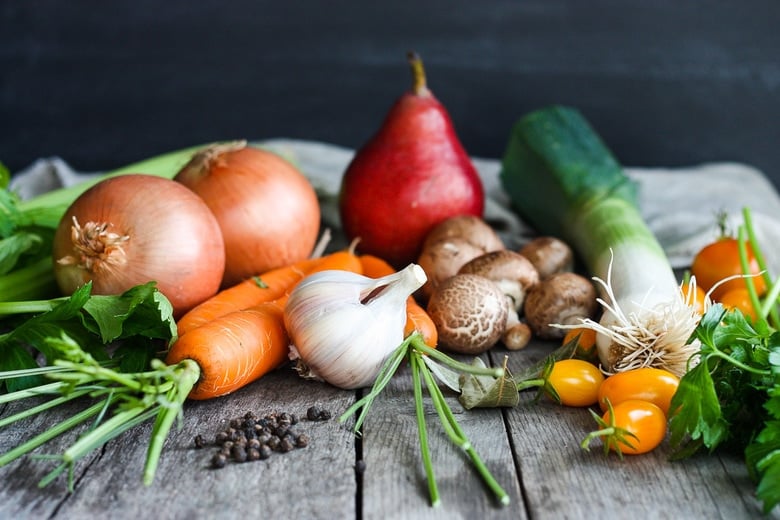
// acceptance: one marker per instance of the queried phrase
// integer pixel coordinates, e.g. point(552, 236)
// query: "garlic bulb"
point(343, 326)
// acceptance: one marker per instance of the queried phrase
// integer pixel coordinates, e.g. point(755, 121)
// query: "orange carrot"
point(417, 319)
point(264, 288)
point(235, 349)
point(241, 345)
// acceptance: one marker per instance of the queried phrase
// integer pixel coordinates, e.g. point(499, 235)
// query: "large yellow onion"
point(135, 228)
point(268, 210)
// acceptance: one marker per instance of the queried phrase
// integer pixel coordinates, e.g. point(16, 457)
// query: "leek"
point(563, 180)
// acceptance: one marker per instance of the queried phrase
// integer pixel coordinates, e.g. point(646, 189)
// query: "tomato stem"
point(611, 434)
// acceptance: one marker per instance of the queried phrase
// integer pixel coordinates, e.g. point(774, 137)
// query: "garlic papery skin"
point(343, 326)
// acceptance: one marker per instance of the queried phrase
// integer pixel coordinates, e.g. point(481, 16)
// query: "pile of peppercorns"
point(251, 438)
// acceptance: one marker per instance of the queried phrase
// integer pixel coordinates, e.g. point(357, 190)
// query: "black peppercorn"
point(238, 453)
point(199, 441)
point(302, 440)
point(313, 413)
point(218, 460)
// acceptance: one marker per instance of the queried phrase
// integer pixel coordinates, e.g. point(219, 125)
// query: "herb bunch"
point(730, 397)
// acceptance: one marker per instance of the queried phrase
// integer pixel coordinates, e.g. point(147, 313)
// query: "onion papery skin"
point(267, 209)
point(165, 232)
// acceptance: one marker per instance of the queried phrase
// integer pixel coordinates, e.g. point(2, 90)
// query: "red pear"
point(410, 176)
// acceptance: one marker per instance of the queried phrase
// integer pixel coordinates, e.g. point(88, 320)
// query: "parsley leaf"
point(131, 327)
point(731, 398)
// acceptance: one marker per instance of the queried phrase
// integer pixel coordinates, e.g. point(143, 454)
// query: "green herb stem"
point(8, 308)
point(769, 309)
point(459, 436)
point(737, 363)
point(745, 266)
point(770, 302)
point(414, 348)
point(433, 488)
point(103, 433)
point(440, 405)
point(49, 388)
point(51, 433)
point(530, 383)
point(188, 373)
point(27, 372)
point(419, 345)
point(47, 405)
point(384, 377)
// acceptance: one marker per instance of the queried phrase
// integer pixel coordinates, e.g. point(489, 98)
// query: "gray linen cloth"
point(678, 204)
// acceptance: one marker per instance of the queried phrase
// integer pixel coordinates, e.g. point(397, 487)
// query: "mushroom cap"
point(474, 229)
point(514, 274)
point(452, 243)
point(562, 299)
point(469, 312)
point(549, 255)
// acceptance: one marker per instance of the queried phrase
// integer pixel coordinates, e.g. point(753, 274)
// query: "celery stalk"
point(166, 165)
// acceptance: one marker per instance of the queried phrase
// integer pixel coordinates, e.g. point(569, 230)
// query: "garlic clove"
point(343, 326)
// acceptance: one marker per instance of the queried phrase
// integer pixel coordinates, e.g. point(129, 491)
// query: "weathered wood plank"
point(394, 484)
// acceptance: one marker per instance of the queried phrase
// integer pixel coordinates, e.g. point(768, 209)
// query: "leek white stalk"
point(343, 326)
point(646, 321)
point(563, 180)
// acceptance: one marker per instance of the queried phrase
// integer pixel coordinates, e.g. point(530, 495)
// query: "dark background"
point(665, 82)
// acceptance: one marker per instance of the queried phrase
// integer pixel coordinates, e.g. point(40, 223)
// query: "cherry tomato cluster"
point(634, 404)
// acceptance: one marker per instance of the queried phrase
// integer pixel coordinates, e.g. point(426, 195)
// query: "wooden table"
point(532, 449)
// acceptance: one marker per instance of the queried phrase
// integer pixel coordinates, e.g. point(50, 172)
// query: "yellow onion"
point(268, 210)
point(135, 228)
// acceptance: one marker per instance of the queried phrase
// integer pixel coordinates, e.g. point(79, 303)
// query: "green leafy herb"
point(731, 398)
point(140, 321)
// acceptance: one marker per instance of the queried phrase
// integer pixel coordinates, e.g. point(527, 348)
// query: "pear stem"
point(419, 85)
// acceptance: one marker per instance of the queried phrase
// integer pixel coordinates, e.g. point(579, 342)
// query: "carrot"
point(241, 345)
point(235, 349)
point(264, 288)
point(417, 319)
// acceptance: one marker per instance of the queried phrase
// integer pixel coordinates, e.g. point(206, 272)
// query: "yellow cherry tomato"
point(654, 385)
point(739, 298)
point(639, 427)
point(585, 340)
point(576, 381)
